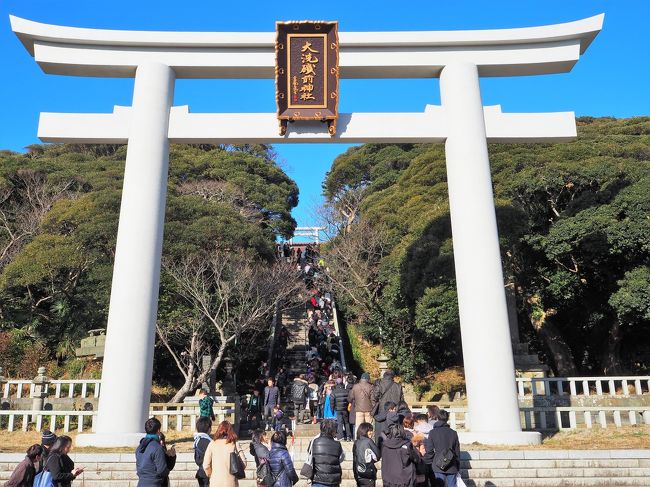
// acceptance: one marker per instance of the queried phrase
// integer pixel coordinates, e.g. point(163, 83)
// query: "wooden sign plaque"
point(307, 72)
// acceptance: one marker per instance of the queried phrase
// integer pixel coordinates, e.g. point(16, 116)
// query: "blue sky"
point(613, 78)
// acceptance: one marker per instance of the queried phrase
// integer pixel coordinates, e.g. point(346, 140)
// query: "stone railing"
point(178, 417)
point(337, 329)
point(76, 388)
point(573, 417)
point(13, 420)
point(557, 417)
point(583, 386)
point(182, 417)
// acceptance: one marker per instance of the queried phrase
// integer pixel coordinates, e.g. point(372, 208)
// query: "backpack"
point(199, 453)
point(298, 391)
point(43, 479)
point(264, 475)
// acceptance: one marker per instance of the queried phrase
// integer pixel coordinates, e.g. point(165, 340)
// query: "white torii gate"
point(156, 59)
point(313, 232)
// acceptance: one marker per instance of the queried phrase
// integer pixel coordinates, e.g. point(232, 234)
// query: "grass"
point(627, 437)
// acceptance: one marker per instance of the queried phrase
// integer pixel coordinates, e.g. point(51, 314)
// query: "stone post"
point(485, 331)
point(383, 364)
point(3, 381)
point(40, 382)
point(131, 330)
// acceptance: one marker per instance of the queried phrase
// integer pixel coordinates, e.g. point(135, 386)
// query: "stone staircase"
point(295, 320)
point(523, 468)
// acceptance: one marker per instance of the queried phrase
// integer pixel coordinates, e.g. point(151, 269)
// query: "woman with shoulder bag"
point(280, 461)
point(60, 465)
point(218, 462)
point(364, 455)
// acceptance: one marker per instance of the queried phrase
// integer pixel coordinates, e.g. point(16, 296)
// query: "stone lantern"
point(383, 364)
point(40, 382)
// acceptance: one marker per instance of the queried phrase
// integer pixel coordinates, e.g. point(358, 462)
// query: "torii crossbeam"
point(156, 59)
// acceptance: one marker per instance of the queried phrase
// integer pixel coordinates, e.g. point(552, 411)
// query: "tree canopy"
point(59, 208)
point(574, 224)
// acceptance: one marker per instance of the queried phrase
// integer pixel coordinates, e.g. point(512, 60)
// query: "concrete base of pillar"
point(109, 440)
point(500, 438)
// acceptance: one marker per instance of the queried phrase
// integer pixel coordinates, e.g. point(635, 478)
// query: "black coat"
point(299, 391)
point(398, 461)
point(386, 390)
point(442, 437)
point(359, 449)
point(327, 456)
point(60, 466)
point(258, 451)
point(340, 397)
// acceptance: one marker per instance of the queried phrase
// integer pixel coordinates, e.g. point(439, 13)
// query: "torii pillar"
point(155, 59)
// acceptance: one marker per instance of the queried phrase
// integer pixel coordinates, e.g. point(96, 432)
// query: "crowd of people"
point(47, 464)
point(416, 450)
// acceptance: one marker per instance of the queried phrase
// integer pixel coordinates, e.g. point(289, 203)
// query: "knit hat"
point(365, 376)
point(48, 438)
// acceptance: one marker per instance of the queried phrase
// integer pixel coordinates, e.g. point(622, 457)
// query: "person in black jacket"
point(60, 465)
point(151, 457)
point(444, 440)
point(201, 441)
point(259, 446)
point(327, 456)
point(47, 440)
point(364, 455)
point(340, 398)
point(398, 456)
point(299, 394)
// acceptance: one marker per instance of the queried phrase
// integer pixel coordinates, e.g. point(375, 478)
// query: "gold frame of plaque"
point(307, 72)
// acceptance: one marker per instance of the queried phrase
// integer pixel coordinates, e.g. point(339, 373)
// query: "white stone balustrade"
point(184, 419)
point(75, 388)
point(181, 419)
point(573, 417)
point(624, 386)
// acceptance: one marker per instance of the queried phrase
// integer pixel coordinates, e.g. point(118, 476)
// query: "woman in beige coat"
point(216, 461)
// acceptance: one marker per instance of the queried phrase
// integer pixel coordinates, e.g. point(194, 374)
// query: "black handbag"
point(307, 469)
point(444, 461)
point(237, 467)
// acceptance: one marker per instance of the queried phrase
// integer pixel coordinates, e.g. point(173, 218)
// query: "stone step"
point(545, 468)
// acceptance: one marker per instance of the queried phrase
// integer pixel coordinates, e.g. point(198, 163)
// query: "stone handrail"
point(335, 319)
point(184, 419)
point(566, 417)
point(583, 386)
point(47, 420)
point(22, 388)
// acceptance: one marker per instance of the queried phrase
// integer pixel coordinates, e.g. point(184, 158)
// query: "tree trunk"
point(611, 360)
point(557, 346)
point(188, 386)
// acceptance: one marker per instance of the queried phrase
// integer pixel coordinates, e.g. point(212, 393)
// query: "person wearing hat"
point(360, 398)
point(47, 440)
